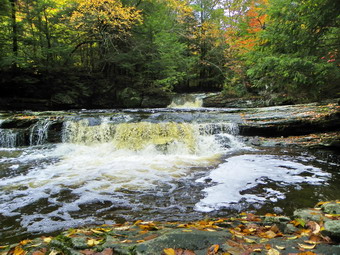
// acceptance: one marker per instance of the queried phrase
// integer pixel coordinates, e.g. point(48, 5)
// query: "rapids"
point(75, 168)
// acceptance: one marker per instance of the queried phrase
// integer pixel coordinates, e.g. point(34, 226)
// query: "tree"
point(298, 35)
point(103, 24)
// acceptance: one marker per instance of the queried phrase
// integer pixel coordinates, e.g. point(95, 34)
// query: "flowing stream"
point(75, 168)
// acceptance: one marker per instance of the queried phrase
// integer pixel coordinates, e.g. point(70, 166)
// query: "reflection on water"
point(114, 168)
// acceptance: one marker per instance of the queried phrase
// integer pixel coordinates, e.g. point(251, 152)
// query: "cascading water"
point(187, 101)
point(39, 132)
point(110, 166)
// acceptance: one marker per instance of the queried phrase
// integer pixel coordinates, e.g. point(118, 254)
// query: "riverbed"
point(76, 168)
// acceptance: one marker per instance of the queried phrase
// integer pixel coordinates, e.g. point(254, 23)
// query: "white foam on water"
point(94, 171)
point(240, 173)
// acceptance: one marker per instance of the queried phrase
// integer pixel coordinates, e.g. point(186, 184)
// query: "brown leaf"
point(184, 252)
point(40, 252)
point(269, 234)
point(107, 251)
point(315, 227)
point(275, 229)
point(150, 237)
point(87, 252)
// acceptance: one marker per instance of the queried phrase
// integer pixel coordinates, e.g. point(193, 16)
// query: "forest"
point(62, 54)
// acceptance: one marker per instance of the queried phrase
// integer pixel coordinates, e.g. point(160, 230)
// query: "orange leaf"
point(213, 249)
point(19, 251)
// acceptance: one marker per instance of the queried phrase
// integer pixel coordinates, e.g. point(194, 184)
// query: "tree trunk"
point(15, 47)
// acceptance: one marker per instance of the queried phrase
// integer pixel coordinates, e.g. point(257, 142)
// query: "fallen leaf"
point(4, 247)
point(292, 237)
point(126, 241)
point(275, 229)
point(96, 231)
point(306, 246)
point(24, 242)
point(87, 252)
point(315, 227)
point(107, 251)
point(122, 228)
point(280, 247)
point(269, 234)
point(19, 251)
point(169, 251)
point(54, 252)
point(92, 242)
point(150, 237)
point(47, 239)
point(268, 246)
point(298, 222)
point(273, 252)
point(248, 240)
point(38, 253)
point(213, 249)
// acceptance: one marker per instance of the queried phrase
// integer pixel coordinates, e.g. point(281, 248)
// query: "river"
point(76, 168)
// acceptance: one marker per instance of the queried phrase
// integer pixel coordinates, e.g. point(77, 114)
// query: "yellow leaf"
point(54, 252)
point(96, 231)
point(306, 246)
point(19, 251)
point(24, 242)
point(47, 239)
point(4, 247)
point(273, 252)
point(292, 237)
point(280, 247)
point(270, 234)
point(123, 228)
point(169, 251)
point(92, 242)
point(186, 230)
point(248, 240)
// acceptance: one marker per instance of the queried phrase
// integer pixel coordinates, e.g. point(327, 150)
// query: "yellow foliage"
point(108, 16)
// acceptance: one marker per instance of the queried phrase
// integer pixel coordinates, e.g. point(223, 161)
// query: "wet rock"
point(290, 229)
point(276, 219)
point(79, 243)
point(195, 241)
point(331, 208)
point(332, 229)
point(310, 215)
point(18, 123)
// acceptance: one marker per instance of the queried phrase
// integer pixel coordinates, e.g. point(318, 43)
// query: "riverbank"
point(307, 232)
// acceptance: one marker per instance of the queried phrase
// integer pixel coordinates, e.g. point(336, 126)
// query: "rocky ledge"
point(307, 232)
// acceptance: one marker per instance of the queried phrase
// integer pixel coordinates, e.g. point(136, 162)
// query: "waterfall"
point(187, 101)
point(8, 138)
point(39, 132)
point(164, 137)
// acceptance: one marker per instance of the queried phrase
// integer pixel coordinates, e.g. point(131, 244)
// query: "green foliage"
point(298, 55)
point(297, 76)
